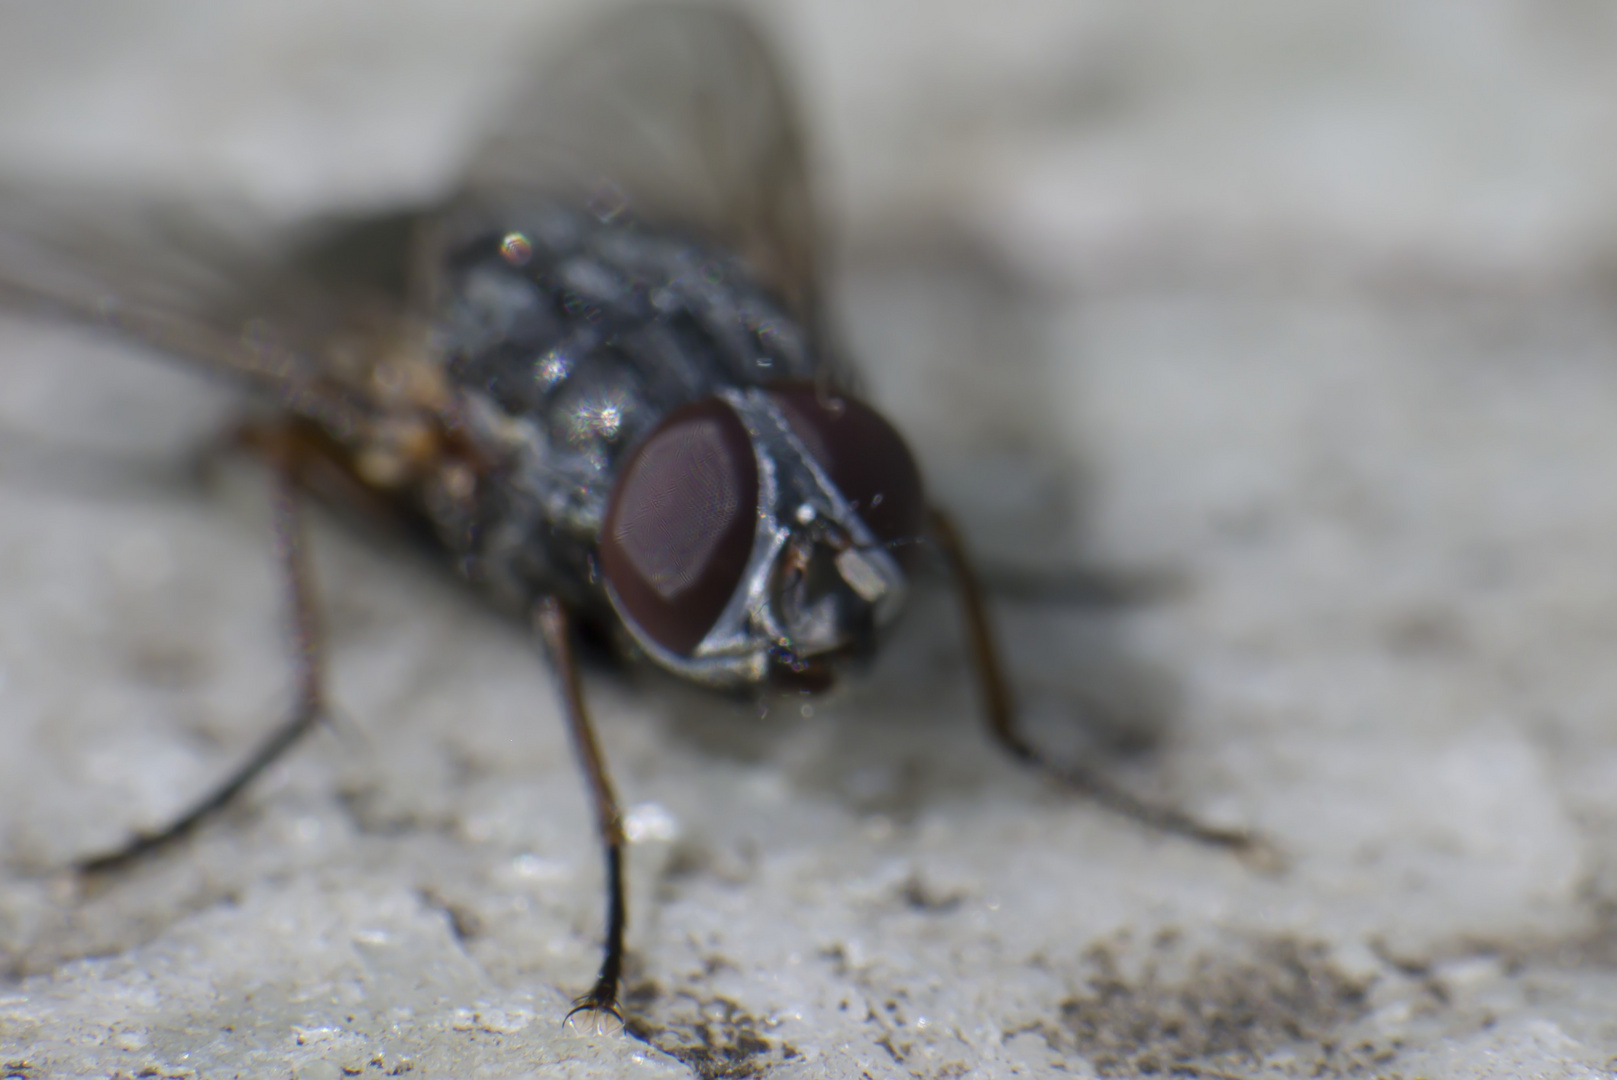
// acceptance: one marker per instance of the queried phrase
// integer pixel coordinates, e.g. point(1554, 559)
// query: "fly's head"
point(757, 535)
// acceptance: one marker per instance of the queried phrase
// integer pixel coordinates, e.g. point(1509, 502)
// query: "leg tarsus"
point(145, 844)
point(1253, 848)
point(607, 1016)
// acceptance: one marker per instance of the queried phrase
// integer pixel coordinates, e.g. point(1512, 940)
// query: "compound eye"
point(865, 458)
point(680, 525)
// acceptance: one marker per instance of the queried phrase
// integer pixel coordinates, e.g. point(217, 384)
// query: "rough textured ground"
point(1299, 322)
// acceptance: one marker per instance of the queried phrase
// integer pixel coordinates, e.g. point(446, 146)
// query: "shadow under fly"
point(599, 376)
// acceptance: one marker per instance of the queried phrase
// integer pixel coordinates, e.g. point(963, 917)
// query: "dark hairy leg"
point(1000, 711)
point(309, 705)
point(555, 626)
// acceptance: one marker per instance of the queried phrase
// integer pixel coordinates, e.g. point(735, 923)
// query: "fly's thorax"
point(567, 340)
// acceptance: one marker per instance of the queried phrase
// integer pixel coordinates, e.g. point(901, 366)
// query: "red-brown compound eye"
point(865, 458)
point(680, 524)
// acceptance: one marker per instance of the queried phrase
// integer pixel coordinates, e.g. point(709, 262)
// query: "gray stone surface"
point(1299, 317)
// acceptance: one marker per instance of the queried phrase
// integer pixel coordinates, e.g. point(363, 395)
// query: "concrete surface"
point(1302, 318)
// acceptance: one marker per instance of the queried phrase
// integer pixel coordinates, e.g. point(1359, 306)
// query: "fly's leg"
point(1000, 710)
point(555, 626)
point(309, 704)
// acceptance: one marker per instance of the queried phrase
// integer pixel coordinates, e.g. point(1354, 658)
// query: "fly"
point(599, 376)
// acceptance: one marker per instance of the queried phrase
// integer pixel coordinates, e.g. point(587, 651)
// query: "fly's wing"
point(677, 112)
point(679, 115)
point(311, 313)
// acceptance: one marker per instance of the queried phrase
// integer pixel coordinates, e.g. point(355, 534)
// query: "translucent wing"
point(678, 114)
point(309, 312)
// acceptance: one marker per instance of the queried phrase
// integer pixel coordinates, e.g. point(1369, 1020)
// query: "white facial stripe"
point(862, 577)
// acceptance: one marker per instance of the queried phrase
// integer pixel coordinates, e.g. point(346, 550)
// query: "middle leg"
point(309, 702)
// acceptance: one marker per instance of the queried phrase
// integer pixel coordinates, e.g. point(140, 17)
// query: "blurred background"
point(1299, 315)
point(1462, 138)
point(1064, 149)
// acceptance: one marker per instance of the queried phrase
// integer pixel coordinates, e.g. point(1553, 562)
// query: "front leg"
point(1000, 711)
point(555, 626)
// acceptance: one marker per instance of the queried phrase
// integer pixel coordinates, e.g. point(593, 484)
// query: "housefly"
point(599, 376)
